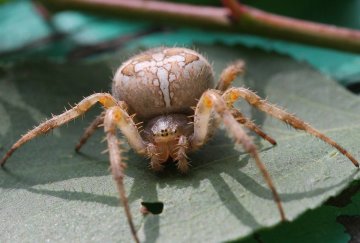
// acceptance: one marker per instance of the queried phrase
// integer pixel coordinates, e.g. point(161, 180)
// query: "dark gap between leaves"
point(355, 88)
point(344, 198)
point(352, 225)
point(152, 207)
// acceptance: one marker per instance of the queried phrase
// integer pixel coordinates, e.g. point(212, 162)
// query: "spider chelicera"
point(173, 94)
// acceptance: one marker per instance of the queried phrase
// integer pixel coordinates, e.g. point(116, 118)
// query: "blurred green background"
point(20, 25)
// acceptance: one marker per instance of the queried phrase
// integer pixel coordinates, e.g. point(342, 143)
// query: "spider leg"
point(94, 125)
point(211, 100)
point(112, 119)
point(229, 74)
point(154, 156)
point(251, 125)
point(156, 164)
point(181, 158)
point(103, 98)
point(231, 95)
point(128, 128)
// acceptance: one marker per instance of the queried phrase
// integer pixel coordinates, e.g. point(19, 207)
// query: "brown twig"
point(235, 17)
point(259, 22)
point(163, 12)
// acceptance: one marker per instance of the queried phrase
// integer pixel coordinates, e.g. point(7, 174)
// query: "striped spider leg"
point(115, 117)
point(233, 94)
point(212, 101)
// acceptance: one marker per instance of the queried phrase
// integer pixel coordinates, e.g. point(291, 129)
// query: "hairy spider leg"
point(251, 125)
point(103, 98)
point(116, 117)
point(153, 155)
point(129, 129)
point(94, 125)
point(210, 101)
point(233, 94)
point(229, 74)
point(181, 158)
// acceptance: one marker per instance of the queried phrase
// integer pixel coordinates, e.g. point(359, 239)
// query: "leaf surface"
point(48, 192)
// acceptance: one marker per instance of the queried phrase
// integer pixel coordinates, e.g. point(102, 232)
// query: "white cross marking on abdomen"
point(163, 77)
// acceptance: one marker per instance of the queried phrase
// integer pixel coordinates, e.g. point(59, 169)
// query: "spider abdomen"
point(163, 80)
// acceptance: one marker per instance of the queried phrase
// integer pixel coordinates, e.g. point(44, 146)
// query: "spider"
point(173, 94)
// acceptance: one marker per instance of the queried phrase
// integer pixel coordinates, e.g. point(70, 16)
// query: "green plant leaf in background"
point(20, 25)
point(49, 193)
point(325, 224)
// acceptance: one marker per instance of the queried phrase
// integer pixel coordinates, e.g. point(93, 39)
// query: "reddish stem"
point(259, 22)
point(244, 19)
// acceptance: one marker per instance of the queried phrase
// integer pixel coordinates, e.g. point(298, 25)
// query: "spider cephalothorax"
point(160, 87)
point(166, 128)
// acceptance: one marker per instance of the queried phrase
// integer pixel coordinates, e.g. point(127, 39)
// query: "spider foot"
point(183, 165)
point(156, 165)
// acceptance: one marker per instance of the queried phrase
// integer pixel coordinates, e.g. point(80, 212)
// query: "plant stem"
point(163, 12)
point(259, 22)
point(234, 18)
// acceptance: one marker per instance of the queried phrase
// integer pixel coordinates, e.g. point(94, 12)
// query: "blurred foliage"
point(20, 25)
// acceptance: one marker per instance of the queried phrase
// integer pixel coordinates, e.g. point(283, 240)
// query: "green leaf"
point(51, 193)
point(323, 225)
